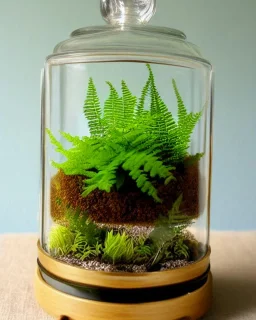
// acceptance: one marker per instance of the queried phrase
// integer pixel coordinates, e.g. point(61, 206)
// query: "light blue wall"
point(226, 32)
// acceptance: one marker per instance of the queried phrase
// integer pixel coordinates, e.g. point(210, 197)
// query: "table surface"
point(233, 262)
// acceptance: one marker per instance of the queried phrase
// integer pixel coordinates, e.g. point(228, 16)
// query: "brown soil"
point(66, 191)
point(125, 206)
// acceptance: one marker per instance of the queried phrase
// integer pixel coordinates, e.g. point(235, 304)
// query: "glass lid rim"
point(166, 31)
point(108, 54)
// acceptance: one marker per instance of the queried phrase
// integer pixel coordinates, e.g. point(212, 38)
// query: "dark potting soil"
point(128, 205)
point(133, 268)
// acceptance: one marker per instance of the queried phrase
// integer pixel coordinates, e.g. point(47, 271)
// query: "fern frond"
point(113, 115)
point(161, 237)
point(137, 155)
point(135, 161)
point(75, 140)
point(176, 217)
point(58, 146)
point(180, 249)
point(128, 102)
point(82, 156)
point(105, 178)
point(141, 104)
point(186, 125)
point(92, 110)
point(86, 230)
point(165, 126)
point(142, 251)
point(168, 237)
point(154, 106)
point(182, 112)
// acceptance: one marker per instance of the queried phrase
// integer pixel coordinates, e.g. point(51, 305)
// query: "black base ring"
point(112, 295)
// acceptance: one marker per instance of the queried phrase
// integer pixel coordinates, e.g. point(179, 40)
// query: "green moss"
point(118, 248)
point(61, 240)
point(85, 240)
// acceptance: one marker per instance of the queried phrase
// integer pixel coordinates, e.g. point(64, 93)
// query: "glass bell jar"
point(126, 172)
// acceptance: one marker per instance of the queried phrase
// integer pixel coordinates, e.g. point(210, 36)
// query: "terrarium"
point(126, 167)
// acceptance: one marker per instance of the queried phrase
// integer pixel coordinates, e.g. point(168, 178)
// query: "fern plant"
point(168, 237)
point(180, 249)
point(87, 232)
point(127, 140)
point(142, 251)
point(176, 217)
point(100, 160)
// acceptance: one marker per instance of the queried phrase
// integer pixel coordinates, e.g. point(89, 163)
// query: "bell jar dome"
point(126, 172)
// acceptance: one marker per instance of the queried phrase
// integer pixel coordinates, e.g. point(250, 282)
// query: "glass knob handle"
point(127, 11)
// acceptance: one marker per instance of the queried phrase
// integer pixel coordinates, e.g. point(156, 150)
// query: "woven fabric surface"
point(233, 263)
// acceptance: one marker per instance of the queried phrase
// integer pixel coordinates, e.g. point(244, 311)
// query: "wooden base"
point(120, 279)
point(191, 306)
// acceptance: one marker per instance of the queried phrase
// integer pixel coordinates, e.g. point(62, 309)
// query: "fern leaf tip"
point(149, 67)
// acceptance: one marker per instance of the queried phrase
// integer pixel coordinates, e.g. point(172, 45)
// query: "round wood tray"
point(120, 279)
point(62, 306)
